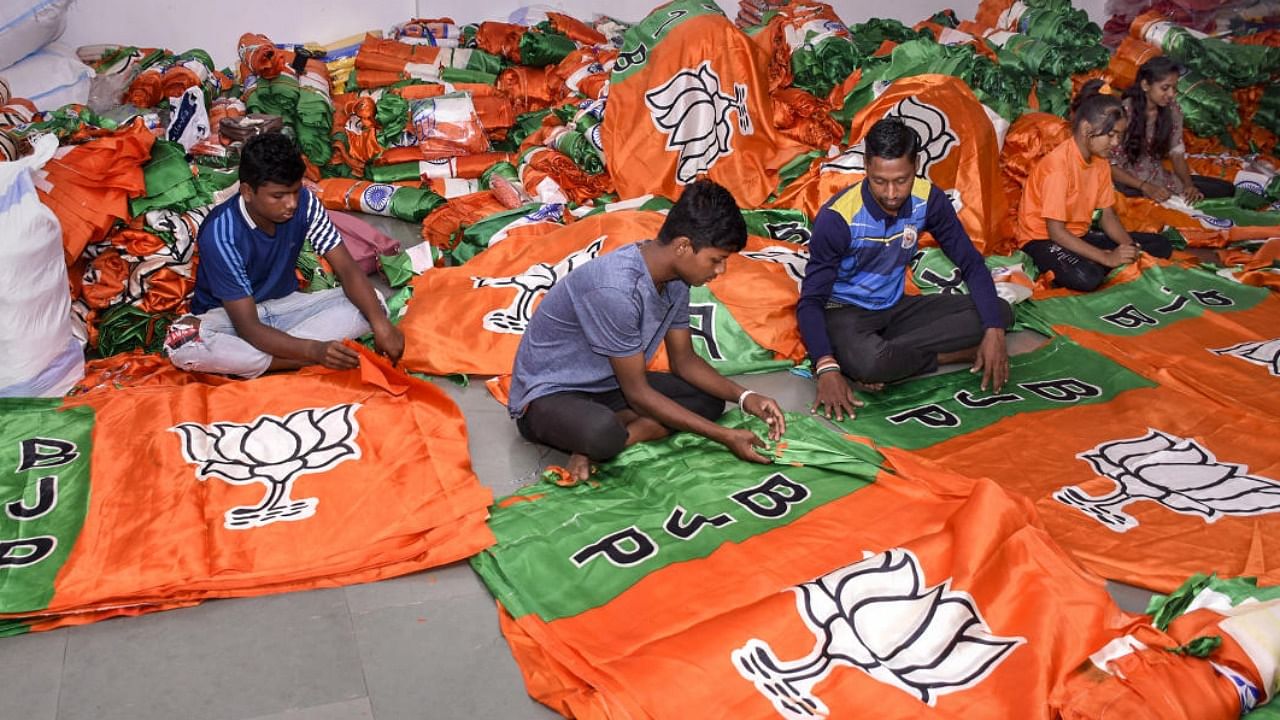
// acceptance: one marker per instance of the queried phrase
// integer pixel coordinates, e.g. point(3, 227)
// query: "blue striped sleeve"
point(321, 233)
point(221, 260)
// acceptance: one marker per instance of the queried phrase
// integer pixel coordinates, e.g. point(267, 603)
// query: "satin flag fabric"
point(283, 483)
point(492, 297)
point(681, 583)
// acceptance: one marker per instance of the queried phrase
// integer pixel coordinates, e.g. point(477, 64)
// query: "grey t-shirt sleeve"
point(611, 321)
point(680, 301)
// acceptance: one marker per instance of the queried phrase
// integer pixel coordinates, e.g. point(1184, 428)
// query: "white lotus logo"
point(879, 616)
point(795, 260)
point(694, 115)
point(273, 451)
point(1259, 352)
point(530, 285)
point(931, 125)
point(1175, 472)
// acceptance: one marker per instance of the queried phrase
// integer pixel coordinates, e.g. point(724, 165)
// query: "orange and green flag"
point(1204, 334)
point(959, 153)
point(689, 97)
point(126, 501)
point(681, 583)
point(1141, 481)
point(470, 318)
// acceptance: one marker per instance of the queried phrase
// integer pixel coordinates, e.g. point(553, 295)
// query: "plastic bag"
point(39, 356)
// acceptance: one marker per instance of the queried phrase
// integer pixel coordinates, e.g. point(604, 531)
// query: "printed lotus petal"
point(966, 662)
point(197, 441)
point(1264, 500)
point(947, 620)
point(231, 472)
point(270, 442)
point(1185, 479)
point(303, 424)
point(884, 625)
point(230, 444)
point(885, 575)
point(338, 425)
point(1234, 487)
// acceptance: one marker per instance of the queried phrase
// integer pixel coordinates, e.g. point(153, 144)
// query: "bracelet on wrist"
point(745, 394)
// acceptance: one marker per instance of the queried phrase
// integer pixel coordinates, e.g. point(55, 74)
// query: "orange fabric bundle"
point(529, 88)
point(576, 30)
point(89, 186)
point(146, 90)
point(805, 118)
point(1030, 138)
point(577, 184)
point(1128, 57)
point(502, 39)
point(441, 227)
point(104, 280)
point(259, 56)
point(584, 71)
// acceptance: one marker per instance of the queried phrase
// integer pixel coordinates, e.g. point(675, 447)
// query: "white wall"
point(181, 24)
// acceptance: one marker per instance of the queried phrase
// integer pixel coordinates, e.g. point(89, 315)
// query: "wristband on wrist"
point(744, 395)
point(826, 369)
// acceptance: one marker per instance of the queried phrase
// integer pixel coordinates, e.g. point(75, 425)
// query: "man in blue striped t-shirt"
point(249, 316)
point(853, 315)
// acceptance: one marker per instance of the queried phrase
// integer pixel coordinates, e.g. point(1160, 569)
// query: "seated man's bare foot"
point(579, 467)
point(867, 387)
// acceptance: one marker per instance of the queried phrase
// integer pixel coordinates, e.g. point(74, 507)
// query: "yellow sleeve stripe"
point(849, 203)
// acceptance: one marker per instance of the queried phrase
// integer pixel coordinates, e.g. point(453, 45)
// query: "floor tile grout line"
point(62, 673)
point(355, 638)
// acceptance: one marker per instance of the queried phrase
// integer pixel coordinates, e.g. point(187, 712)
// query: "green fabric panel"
point(936, 408)
point(45, 498)
point(531, 568)
point(1161, 296)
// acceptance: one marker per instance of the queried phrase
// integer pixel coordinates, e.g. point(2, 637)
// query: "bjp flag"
point(1142, 482)
point(959, 153)
point(682, 583)
point(689, 96)
point(164, 495)
point(469, 318)
point(1196, 331)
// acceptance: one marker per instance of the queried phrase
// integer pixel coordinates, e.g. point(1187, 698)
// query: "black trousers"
point(587, 423)
point(904, 340)
point(1210, 187)
point(1075, 272)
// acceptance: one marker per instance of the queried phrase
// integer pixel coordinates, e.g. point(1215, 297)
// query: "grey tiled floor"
point(419, 647)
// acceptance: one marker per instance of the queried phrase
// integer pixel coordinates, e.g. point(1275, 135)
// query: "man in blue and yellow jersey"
point(853, 315)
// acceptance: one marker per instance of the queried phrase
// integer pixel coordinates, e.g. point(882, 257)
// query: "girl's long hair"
point(1135, 137)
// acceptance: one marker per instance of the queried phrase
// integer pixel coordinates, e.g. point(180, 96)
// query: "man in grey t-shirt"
point(580, 382)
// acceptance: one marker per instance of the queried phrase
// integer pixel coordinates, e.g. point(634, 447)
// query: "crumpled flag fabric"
point(1030, 138)
point(688, 98)
point(495, 293)
point(941, 110)
point(805, 118)
point(88, 186)
point(549, 173)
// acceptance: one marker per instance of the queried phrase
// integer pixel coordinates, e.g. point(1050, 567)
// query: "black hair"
point(1102, 112)
point(1135, 137)
point(707, 214)
point(270, 157)
point(891, 138)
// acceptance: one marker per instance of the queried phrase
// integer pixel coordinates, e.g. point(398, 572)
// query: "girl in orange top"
point(1154, 134)
point(1067, 186)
